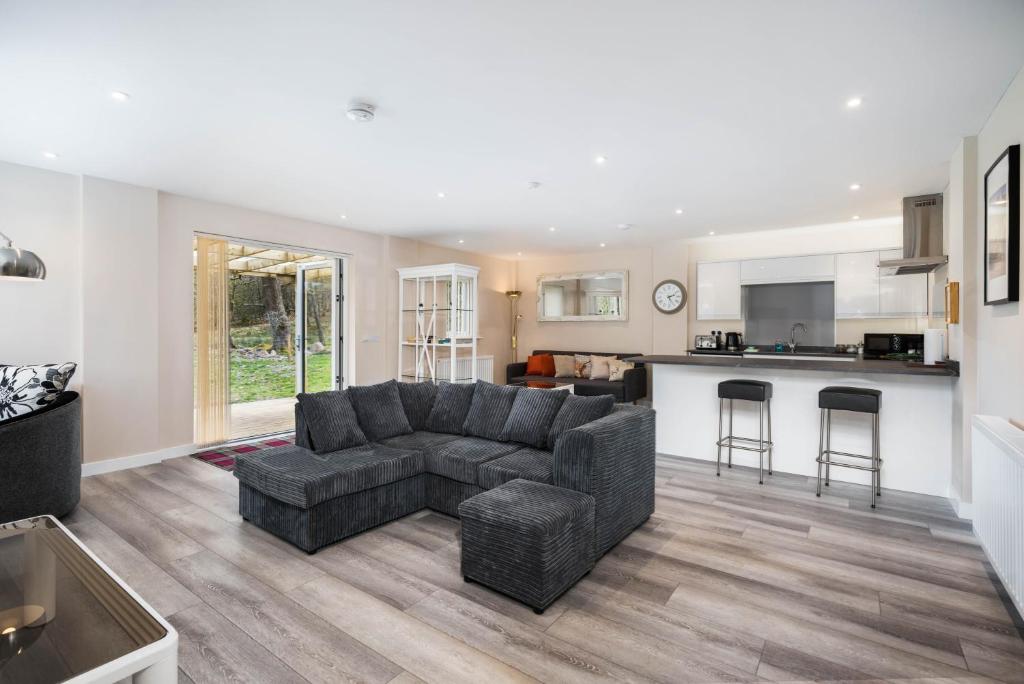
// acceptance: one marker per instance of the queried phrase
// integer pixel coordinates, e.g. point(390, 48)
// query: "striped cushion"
point(525, 464)
point(458, 460)
point(451, 405)
point(331, 421)
point(418, 441)
point(417, 400)
point(532, 414)
point(576, 411)
point(303, 478)
point(489, 410)
point(379, 409)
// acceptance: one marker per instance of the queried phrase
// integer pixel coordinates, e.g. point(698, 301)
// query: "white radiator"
point(464, 368)
point(998, 495)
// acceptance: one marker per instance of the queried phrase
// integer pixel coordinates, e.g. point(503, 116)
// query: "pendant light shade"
point(19, 264)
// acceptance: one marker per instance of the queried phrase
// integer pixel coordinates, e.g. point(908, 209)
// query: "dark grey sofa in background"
point(313, 499)
point(633, 385)
point(41, 460)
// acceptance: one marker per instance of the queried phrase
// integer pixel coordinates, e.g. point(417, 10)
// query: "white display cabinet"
point(438, 318)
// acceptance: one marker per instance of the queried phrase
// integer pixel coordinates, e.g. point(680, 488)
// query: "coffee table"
point(547, 384)
point(65, 617)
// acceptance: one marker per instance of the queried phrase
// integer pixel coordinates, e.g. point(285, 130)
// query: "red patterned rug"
point(224, 457)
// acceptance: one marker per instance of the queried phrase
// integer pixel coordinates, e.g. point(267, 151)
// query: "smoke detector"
point(360, 111)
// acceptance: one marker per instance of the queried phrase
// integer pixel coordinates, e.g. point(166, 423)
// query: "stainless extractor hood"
point(922, 237)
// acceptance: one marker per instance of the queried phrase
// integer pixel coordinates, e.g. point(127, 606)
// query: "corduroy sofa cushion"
point(379, 410)
point(526, 464)
point(489, 410)
point(303, 478)
point(417, 400)
point(331, 421)
point(576, 411)
point(451, 405)
point(421, 439)
point(459, 459)
point(533, 412)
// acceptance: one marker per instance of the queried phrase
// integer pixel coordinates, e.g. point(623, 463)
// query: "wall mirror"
point(591, 296)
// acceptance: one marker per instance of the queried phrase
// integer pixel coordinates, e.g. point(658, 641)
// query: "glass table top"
point(61, 614)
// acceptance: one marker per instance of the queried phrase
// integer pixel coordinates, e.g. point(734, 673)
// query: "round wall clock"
point(669, 296)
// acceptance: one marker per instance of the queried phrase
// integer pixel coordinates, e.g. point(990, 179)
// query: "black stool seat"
point(748, 390)
point(859, 399)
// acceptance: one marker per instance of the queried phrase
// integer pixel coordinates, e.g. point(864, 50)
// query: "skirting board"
point(135, 460)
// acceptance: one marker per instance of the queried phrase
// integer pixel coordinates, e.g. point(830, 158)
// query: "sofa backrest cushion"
point(26, 389)
point(577, 410)
point(618, 355)
point(380, 411)
point(541, 364)
point(533, 412)
point(489, 410)
point(451, 405)
point(565, 365)
point(331, 421)
point(417, 400)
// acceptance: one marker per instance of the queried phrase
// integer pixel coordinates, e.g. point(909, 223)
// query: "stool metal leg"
point(828, 445)
point(730, 433)
point(878, 453)
point(718, 466)
point(771, 444)
point(821, 445)
point(760, 442)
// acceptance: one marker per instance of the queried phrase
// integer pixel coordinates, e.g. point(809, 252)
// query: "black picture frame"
point(1004, 259)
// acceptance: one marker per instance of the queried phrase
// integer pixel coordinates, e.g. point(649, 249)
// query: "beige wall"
point(118, 296)
point(646, 331)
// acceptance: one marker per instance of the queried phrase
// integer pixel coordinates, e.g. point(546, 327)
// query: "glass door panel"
point(316, 339)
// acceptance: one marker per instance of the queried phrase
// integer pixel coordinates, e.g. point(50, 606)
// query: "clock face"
point(669, 296)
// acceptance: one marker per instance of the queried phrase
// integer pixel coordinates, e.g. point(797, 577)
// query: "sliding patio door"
point(268, 325)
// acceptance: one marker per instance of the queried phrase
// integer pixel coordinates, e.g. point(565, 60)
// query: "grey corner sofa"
point(632, 387)
point(419, 445)
point(41, 460)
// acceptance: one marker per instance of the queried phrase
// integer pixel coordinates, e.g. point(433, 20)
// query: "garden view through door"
point(283, 336)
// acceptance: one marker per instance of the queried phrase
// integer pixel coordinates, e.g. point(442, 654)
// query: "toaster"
point(705, 342)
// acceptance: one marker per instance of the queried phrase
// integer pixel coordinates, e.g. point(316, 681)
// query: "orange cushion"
point(541, 364)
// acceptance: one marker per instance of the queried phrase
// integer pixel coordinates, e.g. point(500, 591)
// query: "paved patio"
point(254, 418)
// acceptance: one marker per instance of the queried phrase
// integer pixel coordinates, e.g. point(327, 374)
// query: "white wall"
point(39, 210)
point(118, 296)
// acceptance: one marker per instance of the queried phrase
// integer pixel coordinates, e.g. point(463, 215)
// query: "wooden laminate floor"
point(728, 581)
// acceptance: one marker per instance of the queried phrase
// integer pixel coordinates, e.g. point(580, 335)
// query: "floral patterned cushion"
point(24, 389)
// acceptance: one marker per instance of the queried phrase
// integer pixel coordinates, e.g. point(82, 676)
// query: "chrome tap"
point(792, 336)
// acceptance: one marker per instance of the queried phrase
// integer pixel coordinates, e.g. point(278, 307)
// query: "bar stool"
point(857, 400)
point(746, 390)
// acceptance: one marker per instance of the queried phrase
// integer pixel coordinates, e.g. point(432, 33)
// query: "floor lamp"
point(513, 297)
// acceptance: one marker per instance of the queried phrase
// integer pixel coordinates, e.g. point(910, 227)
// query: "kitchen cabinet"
point(801, 269)
point(902, 295)
point(718, 291)
point(857, 287)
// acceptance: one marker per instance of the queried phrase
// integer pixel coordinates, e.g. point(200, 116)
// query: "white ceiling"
point(732, 111)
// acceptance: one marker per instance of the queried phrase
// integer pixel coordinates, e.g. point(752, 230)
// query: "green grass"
point(274, 378)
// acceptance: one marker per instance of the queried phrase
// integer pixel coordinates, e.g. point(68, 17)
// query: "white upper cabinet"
point(857, 294)
point(902, 295)
point(802, 269)
point(718, 291)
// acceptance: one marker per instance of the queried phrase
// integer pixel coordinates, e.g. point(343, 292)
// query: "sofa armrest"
point(612, 459)
point(635, 384)
point(515, 370)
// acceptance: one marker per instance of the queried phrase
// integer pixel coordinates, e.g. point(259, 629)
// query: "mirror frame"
point(556, 277)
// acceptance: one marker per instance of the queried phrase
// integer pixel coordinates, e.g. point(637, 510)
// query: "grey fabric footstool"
point(529, 540)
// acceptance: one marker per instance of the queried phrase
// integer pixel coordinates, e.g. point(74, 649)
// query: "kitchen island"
point(915, 418)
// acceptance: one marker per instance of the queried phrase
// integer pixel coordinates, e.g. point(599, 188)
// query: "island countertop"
point(776, 361)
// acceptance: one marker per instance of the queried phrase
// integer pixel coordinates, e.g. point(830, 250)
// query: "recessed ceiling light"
point(855, 217)
point(119, 96)
point(50, 155)
point(441, 195)
point(855, 186)
point(600, 159)
point(519, 254)
point(461, 241)
point(602, 244)
point(343, 217)
point(533, 185)
point(551, 229)
point(711, 232)
point(679, 211)
point(853, 103)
